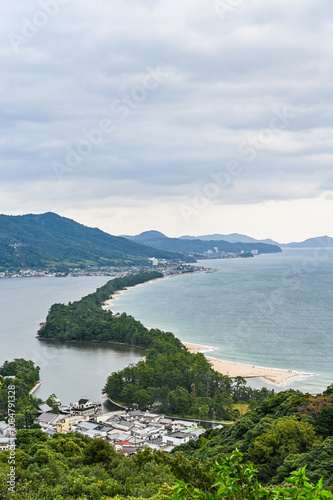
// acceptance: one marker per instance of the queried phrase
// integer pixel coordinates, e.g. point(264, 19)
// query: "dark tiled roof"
point(83, 401)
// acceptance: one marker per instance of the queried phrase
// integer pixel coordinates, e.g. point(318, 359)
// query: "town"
point(127, 430)
point(167, 269)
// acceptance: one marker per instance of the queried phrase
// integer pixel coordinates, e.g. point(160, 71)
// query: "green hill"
point(159, 241)
point(48, 240)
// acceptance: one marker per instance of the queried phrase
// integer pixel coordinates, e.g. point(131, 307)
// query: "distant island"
point(149, 237)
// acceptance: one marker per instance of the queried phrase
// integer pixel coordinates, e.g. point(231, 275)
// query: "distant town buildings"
point(127, 431)
point(159, 265)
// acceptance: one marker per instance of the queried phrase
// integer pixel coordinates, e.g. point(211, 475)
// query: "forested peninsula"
point(254, 458)
point(171, 379)
point(85, 320)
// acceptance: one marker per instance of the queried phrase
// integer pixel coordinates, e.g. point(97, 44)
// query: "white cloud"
point(223, 81)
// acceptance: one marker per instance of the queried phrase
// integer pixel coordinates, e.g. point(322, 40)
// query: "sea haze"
point(273, 310)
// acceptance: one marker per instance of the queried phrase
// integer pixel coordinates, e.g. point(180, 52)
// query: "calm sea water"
point(273, 310)
point(71, 371)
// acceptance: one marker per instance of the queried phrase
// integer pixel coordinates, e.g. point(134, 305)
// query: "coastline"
point(52, 339)
point(276, 376)
point(35, 387)
point(109, 302)
point(233, 369)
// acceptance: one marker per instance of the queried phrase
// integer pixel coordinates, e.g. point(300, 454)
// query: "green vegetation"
point(85, 320)
point(176, 382)
point(254, 458)
point(54, 242)
point(23, 375)
point(172, 379)
point(236, 480)
point(72, 466)
point(280, 435)
point(161, 242)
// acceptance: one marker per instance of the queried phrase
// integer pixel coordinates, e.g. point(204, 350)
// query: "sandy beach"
point(110, 302)
point(232, 369)
point(107, 304)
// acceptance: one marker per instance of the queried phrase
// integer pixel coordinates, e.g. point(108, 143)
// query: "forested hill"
point(288, 431)
point(85, 320)
point(171, 379)
point(48, 240)
point(196, 246)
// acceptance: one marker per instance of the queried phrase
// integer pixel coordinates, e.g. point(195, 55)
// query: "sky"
point(192, 117)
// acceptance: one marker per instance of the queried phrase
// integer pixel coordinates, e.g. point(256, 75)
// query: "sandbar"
point(230, 368)
point(274, 375)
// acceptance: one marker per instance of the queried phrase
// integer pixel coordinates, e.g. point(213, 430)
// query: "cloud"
point(184, 91)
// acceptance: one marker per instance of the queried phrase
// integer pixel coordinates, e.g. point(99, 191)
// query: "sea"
point(273, 310)
point(71, 371)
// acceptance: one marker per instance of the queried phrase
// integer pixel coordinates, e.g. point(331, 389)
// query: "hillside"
point(231, 238)
point(48, 240)
point(287, 431)
point(319, 242)
point(197, 246)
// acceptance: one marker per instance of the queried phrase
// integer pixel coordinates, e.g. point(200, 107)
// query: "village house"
point(176, 438)
point(91, 429)
point(5, 442)
point(4, 429)
point(65, 424)
point(47, 420)
point(85, 407)
point(177, 425)
point(127, 431)
point(44, 408)
point(123, 425)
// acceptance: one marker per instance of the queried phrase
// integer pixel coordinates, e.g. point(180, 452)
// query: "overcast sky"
point(190, 117)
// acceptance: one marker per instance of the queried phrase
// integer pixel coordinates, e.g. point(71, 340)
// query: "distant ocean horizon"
point(274, 310)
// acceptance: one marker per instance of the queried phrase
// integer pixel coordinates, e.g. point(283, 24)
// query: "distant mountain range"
point(48, 240)
point(321, 241)
point(150, 237)
point(196, 246)
point(231, 238)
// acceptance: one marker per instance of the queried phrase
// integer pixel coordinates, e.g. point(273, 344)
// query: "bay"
point(70, 370)
point(274, 310)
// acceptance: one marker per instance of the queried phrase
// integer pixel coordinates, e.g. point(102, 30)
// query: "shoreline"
point(111, 342)
point(277, 376)
point(35, 387)
point(109, 302)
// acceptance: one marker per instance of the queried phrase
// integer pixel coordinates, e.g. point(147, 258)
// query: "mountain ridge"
point(316, 242)
point(319, 241)
point(231, 238)
point(49, 240)
point(196, 246)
